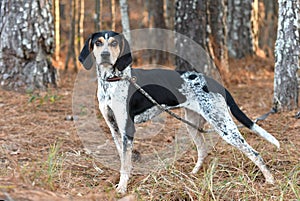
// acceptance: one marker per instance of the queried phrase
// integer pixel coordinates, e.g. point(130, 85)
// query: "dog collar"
point(113, 79)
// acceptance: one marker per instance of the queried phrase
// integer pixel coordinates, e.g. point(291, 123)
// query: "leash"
point(264, 116)
point(165, 109)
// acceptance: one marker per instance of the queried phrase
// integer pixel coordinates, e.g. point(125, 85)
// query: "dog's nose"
point(105, 54)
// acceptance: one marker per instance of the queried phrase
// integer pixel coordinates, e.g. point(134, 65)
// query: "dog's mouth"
point(106, 63)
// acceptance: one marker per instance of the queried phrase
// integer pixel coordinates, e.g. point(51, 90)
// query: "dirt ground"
point(42, 157)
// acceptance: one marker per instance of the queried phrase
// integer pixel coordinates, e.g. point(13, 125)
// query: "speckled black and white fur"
point(122, 105)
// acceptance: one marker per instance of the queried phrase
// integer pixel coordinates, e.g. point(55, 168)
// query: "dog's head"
point(107, 49)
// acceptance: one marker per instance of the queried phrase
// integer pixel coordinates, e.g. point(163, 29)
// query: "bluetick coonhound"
point(122, 105)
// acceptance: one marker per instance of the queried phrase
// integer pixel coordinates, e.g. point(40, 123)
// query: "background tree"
point(156, 18)
point(287, 56)
point(125, 19)
point(240, 35)
point(113, 15)
point(57, 29)
point(80, 24)
point(169, 11)
point(217, 17)
point(97, 15)
point(71, 54)
point(268, 13)
point(26, 44)
point(191, 21)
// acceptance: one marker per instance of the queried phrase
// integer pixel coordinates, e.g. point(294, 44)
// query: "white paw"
point(270, 180)
point(195, 171)
point(121, 189)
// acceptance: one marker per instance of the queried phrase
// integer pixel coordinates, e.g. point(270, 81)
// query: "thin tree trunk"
point(81, 25)
point(125, 19)
point(26, 44)
point(254, 26)
point(57, 29)
point(71, 49)
point(113, 15)
point(287, 56)
point(97, 15)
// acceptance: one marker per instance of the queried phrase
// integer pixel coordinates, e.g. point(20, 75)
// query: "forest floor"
point(42, 157)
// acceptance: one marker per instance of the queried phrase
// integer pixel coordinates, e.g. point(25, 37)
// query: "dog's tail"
point(242, 117)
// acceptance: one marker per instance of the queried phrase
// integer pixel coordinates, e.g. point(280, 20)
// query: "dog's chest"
point(112, 92)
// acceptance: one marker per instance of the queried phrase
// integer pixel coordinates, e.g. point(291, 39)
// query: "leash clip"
point(133, 79)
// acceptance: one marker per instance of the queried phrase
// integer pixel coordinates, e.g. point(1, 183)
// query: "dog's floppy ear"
point(125, 58)
point(85, 56)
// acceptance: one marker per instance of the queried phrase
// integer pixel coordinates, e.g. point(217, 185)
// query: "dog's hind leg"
point(214, 109)
point(197, 120)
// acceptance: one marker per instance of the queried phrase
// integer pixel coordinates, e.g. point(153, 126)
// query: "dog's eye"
point(114, 43)
point(98, 43)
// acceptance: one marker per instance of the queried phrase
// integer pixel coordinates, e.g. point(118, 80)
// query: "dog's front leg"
point(126, 166)
point(127, 130)
point(108, 115)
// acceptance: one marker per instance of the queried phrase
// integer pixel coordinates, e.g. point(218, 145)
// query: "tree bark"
point(81, 25)
point(240, 36)
point(97, 15)
point(217, 12)
point(191, 20)
point(156, 8)
point(169, 13)
point(72, 32)
point(57, 29)
point(287, 56)
point(26, 44)
point(113, 15)
point(269, 14)
point(125, 19)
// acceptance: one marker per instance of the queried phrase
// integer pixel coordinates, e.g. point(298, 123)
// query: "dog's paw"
point(121, 189)
point(270, 180)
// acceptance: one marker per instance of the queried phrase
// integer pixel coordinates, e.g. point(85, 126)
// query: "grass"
point(220, 178)
point(54, 164)
point(46, 173)
point(240, 180)
point(43, 98)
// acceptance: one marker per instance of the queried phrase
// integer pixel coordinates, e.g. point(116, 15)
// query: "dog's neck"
point(112, 75)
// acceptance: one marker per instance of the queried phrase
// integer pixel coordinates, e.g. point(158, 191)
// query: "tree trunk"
point(287, 56)
point(72, 33)
point(191, 20)
point(254, 27)
point(97, 15)
point(113, 15)
point(156, 8)
point(217, 12)
point(81, 25)
point(26, 44)
point(240, 36)
point(268, 13)
point(169, 13)
point(57, 29)
point(125, 19)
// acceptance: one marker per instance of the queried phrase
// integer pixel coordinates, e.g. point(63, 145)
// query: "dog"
point(122, 105)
